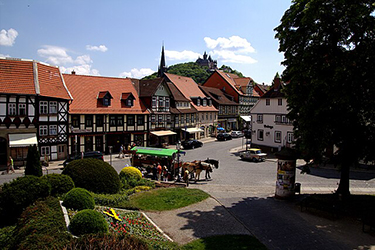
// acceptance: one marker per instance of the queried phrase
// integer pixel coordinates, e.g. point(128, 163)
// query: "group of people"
point(160, 173)
point(121, 154)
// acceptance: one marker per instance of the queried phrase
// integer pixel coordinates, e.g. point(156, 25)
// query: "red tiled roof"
point(125, 96)
point(230, 79)
point(84, 90)
point(19, 77)
point(189, 88)
point(102, 94)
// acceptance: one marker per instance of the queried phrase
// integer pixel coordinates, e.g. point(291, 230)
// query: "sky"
point(124, 38)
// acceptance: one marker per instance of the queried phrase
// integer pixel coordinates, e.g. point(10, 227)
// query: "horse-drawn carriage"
point(147, 158)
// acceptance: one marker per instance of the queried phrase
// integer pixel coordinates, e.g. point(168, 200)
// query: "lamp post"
point(110, 155)
point(178, 145)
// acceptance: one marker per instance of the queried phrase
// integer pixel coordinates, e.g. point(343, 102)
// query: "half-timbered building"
point(34, 103)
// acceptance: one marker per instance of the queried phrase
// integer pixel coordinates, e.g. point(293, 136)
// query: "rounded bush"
point(88, 221)
point(79, 199)
point(60, 183)
point(94, 175)
point(19, 194)
point(130, 173)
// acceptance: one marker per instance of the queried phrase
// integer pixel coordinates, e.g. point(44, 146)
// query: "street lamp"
point(178, 146)
point(110, 154)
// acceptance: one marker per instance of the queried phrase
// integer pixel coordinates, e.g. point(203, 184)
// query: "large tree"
point(329, 50)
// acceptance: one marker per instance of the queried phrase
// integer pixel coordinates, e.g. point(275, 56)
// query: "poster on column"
point(286, 175)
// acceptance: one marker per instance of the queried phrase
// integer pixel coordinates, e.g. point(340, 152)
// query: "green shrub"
point(130, 173)
point(60, 183)
point(107, 241)
point(6, 236)
point(33, 165)
point(88, 221)
point(94, 175)
point(111, 200)
point(41, 226)
point(79, 199)
point(19, 194)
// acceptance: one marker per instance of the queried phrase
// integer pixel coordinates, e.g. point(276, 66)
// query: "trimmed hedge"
point(130, 173)
point(79, 199)
point(108, 241)
point(19, 194)
point(88, 221)
point(41, 226)
point(94, 175)
point(110, 200)
point(60, 183)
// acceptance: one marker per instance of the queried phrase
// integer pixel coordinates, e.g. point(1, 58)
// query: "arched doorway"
point(3, 152)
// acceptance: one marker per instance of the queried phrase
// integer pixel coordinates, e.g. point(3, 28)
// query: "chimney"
point(73, 72)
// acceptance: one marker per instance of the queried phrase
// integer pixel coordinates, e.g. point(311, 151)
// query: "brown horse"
point(203, 166)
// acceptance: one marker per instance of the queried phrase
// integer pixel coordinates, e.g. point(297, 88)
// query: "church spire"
point(162, 68)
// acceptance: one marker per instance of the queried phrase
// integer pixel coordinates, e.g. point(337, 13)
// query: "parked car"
point(90, 154)
point(192, 143)
point(223, 137)
point(236, 134)
point(253, 154)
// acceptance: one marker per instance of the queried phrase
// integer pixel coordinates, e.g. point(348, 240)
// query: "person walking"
point(121, 153)
point(10, 165)
point(159, 169)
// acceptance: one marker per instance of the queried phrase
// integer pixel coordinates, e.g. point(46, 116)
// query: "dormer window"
point(204, 102)
point(105, 98)
point(198, 102)
point(128, 99)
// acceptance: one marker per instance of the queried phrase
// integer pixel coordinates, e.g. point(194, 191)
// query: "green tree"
point(228, 69)
point(329, 50)
point(33, 165)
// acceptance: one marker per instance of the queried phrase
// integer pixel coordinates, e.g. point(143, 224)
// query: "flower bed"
point(133, 223)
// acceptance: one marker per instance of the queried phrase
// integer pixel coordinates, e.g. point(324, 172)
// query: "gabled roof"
point(125, 96)
point(85, 89)
point(28, 77)
point(103, 94)
point(230, 79)
point(217, 95)
point(177, 95)
point(148, 88)
point(189, 88)
point(275, 90)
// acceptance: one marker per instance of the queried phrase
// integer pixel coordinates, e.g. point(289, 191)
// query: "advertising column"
point(286, 173)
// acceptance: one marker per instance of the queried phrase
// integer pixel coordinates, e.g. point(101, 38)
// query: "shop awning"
point(22, 140)
point(193, 130)
point(163, 133)
point(246, 118)
point(157, 151)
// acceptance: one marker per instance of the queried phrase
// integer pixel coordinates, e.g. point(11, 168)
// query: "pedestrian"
point(159, 171)
point(154, 172)
point(165, 173)
point(121, 153)
point(10, 165)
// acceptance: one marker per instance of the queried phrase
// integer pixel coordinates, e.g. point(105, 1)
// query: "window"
point(187, 118)
point(168, 118)
point(153, 118)
point(260, 134)
point(160, 118)
point(52, 107)
point(129, 102)
point(198, 102)
point(120, 120)
point(43, 109)
point(21, 109)
point(206, 116)
point(140, 120)
point(12, 109)
point(99, 120)
point(278, 118)
point(210, 102)
point(268, 102)
point(202, 117)
point(112, 120)
point(44, 150)
point(278, 136)
point(106, 101)
point(154, 101)
point(289, 137)
point(88, 120)
point(279, 102)
point(260, 118)
point(167, 102)
point(53, 129)
point(131, 120)
point(75, 121)
point(43, 130)
point(176, 119)
point(204, 102)
point(161, 101)
point(192, 118)
point(285, 119)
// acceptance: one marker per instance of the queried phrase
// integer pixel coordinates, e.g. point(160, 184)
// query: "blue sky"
point(124, 38)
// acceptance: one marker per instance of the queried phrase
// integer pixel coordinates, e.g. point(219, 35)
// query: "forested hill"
point(193, 70)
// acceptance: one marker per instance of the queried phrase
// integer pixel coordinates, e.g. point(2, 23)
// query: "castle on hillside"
point(207, 61)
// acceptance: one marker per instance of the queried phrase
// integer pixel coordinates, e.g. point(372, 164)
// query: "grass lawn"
point(232, 242)
point(167, 198)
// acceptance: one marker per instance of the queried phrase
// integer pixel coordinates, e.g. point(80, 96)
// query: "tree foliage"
point(329, 50)
point(33, 165)
point(228, 69)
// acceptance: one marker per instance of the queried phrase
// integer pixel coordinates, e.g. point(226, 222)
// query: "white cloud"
point(2, 55)
point(59, 56)
point(8, 38)
point(233, 49)
point(137, 73)
point(101, 48)
point(181, 55)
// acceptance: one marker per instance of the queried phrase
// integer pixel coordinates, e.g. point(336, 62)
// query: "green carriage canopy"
point(156, 151)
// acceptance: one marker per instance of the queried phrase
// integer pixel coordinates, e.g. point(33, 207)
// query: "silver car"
point(236, 134)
